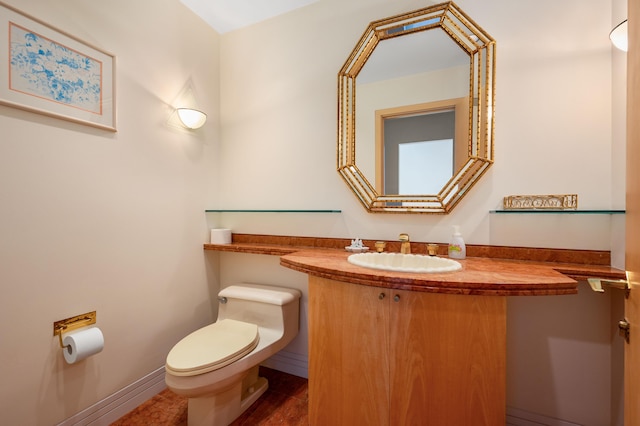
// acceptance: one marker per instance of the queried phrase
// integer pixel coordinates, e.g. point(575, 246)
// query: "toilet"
point(216, 367)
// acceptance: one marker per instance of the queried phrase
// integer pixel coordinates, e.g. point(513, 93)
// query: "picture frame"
point(50, 72)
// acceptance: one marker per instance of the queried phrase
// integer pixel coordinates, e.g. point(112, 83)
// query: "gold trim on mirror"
point(480, 48)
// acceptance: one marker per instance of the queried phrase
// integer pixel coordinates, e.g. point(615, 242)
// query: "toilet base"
point(224, 407)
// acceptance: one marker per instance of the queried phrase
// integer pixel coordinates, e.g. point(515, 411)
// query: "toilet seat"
point(212, 347)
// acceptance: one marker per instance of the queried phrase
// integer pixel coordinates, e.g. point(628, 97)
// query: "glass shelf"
point(270, 211)
point(542, 211)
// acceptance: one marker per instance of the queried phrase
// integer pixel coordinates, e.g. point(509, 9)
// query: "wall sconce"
point(191, 118)
point(618, 36)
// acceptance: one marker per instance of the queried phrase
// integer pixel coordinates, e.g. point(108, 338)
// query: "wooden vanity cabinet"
point(348, 354)
point(380, 356)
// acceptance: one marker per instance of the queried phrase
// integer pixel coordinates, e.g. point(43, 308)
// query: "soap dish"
point(356, 249)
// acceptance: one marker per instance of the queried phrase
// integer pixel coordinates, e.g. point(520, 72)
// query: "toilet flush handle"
point(222, 300)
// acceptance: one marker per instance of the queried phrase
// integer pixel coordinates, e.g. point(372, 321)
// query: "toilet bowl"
point(216, 367)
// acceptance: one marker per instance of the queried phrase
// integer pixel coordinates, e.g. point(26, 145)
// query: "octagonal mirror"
point(415, 111)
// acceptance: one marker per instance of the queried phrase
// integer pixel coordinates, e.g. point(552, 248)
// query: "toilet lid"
point(212, 347)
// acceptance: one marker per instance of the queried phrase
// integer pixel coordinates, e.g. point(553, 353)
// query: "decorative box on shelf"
point(546, 202)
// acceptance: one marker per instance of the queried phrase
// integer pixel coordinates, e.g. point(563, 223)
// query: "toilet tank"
point(271, 307)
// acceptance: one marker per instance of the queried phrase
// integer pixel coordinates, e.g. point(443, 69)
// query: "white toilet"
point(216, 367)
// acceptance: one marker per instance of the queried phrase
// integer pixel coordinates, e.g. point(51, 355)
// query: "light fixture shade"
point(618, 36)
point(192, 118)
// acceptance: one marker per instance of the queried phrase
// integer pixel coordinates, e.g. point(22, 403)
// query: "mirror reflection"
point(419, 134)
point(417, 156)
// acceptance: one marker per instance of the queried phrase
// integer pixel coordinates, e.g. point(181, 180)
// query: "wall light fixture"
point(191, 118)
point(618, 36)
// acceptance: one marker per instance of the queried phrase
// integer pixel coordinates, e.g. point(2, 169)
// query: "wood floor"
point(284, 403)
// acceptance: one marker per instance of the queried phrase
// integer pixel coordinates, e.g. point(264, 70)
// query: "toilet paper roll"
point(81, 344)
point(220, 236)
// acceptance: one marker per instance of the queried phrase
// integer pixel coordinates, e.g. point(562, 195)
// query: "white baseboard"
point(289, 362)
point(516, 417)
point(110, 409)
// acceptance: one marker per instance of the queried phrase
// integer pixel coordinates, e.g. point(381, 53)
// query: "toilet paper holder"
point(72, 323)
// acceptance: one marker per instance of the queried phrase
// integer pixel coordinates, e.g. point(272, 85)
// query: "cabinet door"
point(448, 359)
point(348, 354)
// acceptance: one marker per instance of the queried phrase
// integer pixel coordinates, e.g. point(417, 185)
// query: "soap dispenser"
point(457, 248)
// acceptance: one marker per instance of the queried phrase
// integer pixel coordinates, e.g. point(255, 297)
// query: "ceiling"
point(228, 15)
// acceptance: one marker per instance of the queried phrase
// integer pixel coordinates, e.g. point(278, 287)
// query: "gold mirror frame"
point(481, 50)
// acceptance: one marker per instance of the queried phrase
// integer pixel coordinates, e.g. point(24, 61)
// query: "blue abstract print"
point(49, 70)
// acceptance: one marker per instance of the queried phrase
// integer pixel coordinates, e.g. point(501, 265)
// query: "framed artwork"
point(47, 71)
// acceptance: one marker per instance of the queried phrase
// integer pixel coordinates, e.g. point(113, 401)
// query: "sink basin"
point(404, 262)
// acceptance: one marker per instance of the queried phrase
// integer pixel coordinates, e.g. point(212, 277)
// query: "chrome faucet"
point(405, 245)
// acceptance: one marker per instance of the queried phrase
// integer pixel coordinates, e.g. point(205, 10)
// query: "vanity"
point(381, 356)
point(402, 348)
point(407, 348)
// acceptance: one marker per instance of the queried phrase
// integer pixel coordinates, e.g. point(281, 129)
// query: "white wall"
point(113, 222)
point(554, 134)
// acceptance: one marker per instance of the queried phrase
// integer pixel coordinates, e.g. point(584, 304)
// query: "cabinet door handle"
point(624, 327)
point(396, 298)
point(381, 296)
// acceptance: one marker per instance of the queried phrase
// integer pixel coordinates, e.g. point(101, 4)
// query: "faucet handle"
point(380, 245)
point(403, 237)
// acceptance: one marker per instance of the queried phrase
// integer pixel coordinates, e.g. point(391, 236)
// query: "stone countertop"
point(480, 275)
